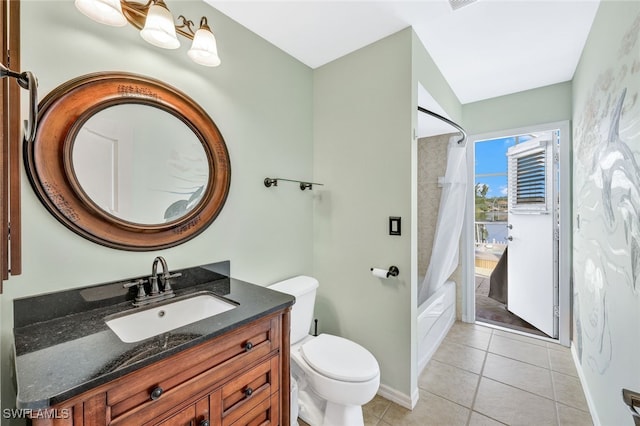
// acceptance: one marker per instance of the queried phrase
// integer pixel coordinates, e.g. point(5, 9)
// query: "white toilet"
point(334, 376)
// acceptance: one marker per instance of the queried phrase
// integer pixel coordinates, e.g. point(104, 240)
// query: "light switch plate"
point(395, 223)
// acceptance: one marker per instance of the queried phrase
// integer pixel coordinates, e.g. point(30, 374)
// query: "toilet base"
point(317, 411)
point(311, 407)
point(343, 415)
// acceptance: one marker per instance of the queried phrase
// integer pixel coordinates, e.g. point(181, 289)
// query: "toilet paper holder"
point(393, 271)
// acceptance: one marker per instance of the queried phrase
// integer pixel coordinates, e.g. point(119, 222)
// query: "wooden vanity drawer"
point(264, 413)
point(252, 388)
point(210, 362)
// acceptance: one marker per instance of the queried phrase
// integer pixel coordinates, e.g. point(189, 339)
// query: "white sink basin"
point(160, 319)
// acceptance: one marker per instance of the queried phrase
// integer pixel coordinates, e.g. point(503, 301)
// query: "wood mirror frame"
point(48, 160)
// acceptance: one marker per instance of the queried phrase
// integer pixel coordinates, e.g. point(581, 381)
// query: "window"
point(530, 177)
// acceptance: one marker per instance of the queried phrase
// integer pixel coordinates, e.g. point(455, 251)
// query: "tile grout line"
point(387, 409)
point(553, 388)
point(480, 375)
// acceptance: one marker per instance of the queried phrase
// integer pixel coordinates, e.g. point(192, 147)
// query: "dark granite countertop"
point(63, 346)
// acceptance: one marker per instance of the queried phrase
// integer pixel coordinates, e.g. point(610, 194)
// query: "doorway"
point(516, 252)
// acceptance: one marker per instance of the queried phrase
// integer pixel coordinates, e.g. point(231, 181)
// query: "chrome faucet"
point(155, 294)
point(165, 278)
point(153, 280)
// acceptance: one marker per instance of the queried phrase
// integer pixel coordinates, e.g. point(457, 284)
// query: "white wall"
point(606, 211)
point(261, 100)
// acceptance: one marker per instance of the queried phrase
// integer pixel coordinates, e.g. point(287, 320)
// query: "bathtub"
point(435, 318)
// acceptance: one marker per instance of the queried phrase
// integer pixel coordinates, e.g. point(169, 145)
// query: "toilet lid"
point(340, 359)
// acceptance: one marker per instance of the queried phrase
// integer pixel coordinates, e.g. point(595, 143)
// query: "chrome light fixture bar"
point(156, 25)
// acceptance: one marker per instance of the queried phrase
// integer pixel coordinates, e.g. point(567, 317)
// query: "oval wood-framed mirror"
point(128, 161)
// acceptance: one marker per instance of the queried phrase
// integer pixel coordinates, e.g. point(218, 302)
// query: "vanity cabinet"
point(238, 378)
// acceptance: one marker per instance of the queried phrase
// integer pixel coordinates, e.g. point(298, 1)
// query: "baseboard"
point(415, 396)
point(585, 388)
point(399, 398)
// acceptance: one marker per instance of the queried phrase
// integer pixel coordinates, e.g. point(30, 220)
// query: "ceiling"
point(485, 49)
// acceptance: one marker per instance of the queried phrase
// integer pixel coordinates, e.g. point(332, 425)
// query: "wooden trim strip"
point(4, 133)
point(14, 259)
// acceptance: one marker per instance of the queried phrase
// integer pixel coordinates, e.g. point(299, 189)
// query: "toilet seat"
point(340, 359)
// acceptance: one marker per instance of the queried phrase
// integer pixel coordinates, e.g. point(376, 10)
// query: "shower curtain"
point(446, 243)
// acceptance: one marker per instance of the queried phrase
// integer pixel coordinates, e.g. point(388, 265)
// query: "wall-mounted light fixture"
point(156, 25)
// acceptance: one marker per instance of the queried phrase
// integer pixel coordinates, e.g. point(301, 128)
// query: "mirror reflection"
point(140, 164)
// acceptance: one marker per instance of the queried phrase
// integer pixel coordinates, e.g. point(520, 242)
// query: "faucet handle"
point(134, 282)
point(140, 283)
point(166, 281)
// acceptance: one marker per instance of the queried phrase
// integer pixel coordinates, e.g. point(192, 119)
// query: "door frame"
point(564, 244)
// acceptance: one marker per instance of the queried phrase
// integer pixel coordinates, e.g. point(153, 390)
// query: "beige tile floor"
point(483, 376)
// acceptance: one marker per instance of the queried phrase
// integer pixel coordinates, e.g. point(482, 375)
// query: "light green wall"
point(261, 100)
point(606, 210)
point(425, 74)
point(547, 104)
point(362, 150)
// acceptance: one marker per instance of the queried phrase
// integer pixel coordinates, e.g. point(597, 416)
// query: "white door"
point(533, 233)
point(103, 164)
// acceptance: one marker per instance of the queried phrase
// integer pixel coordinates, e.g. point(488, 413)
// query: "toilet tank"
point(303, 288)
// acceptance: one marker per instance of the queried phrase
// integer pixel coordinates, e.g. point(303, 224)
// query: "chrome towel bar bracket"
point(269, 182)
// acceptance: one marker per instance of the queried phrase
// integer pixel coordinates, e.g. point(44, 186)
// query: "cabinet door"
point(197, 414)
point(185, 417)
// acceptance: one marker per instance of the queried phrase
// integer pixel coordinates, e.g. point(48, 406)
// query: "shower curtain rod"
point(446, 120)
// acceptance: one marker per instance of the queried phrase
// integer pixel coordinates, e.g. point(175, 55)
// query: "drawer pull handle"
point(204, 423)
point(248, 392)
point(155, 393)
point(248, 346)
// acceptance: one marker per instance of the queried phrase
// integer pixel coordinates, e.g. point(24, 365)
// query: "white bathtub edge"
point(445, 298)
